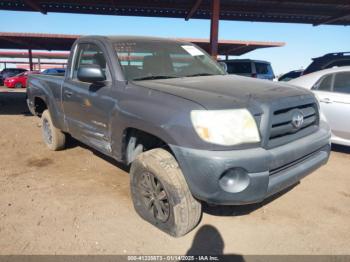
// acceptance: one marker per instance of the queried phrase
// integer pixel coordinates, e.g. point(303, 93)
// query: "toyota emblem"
point(297, 119)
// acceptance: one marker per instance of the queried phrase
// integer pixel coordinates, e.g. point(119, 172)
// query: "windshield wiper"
point(153, 77)
point(201, 74)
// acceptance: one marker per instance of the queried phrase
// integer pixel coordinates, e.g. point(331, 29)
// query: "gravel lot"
point(77, 202)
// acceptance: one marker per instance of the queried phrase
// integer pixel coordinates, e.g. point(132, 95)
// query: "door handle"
point(326, 100)
point(68, 93)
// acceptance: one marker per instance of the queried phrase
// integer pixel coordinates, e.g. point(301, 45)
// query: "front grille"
point(282, 129)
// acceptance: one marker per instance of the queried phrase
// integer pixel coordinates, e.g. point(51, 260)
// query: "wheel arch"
point(140, 137)
point(40, 105)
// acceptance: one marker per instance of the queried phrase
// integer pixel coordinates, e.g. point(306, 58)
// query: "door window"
point(90, 54)
point(325, 84)
point(342, 83)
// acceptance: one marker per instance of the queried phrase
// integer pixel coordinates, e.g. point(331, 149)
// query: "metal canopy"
point(36, 41)
point(39, 55)
point(64, 43)
point(316, 12)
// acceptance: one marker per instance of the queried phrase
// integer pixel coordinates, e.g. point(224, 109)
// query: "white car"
point(332, 88)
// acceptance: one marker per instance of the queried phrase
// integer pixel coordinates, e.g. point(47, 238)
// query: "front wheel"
point(161, 195)
point(54, 138)
point(18, 85)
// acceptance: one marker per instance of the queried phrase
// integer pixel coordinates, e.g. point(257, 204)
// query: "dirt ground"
point(78, 202)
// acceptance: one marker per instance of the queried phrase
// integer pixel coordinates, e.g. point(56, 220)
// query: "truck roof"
point(244, 60)
point(123, 38)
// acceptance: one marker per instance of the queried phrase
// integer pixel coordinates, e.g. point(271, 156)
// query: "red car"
point(20, 80)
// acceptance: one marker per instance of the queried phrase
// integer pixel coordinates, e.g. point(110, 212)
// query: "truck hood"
point(225, 91)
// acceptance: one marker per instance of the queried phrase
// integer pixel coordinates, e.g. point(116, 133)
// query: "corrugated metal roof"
point(336, 12)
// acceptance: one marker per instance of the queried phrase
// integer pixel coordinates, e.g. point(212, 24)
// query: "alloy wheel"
point(154, 196)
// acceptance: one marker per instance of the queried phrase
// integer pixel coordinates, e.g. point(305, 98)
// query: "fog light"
point(234, 180)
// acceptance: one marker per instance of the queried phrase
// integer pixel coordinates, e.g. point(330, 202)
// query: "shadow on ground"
point(209, 242)
point(13, 103)
point(341, 149)
point(72, 143)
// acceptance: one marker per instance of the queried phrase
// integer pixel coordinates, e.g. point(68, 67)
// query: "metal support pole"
point(30, 59)
point(39, 64)
point(5, 65)
point(214, 28)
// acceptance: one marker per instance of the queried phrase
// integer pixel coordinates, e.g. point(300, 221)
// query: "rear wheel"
point(18, 85)
point(54, 138)
point(161, 195)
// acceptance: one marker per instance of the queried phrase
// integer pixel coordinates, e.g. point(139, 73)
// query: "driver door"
point(87, 106)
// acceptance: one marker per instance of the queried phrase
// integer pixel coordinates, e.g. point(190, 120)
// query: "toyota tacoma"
point(189, 132)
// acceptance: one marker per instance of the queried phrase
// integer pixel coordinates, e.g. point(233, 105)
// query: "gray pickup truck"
point(190, 132)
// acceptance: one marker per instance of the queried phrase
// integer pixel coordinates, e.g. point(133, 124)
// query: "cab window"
point(90, 54)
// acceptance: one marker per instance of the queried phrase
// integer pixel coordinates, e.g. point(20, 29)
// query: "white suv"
point(250, 68)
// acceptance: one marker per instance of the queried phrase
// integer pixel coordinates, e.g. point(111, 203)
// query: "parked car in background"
point(20, 80)
point(250, 68)
point(54, 71)
point(332, 87)
point(291, 75)
point(190, 132)
point(328, 61)
point(9, 72)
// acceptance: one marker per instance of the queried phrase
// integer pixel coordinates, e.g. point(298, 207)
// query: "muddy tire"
point(161, 195)
point(54, 138)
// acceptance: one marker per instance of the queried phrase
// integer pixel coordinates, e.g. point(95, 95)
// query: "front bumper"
point(9, 84)
point(267, 171)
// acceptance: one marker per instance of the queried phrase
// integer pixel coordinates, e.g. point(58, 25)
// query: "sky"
point(303, 42)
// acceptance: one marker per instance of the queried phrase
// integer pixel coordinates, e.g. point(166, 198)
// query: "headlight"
point(225, 127)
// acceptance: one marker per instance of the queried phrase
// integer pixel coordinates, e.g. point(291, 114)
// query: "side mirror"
point(90, 74)
point(223, 65)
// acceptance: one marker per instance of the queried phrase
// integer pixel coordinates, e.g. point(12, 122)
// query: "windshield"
point(146, 59)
